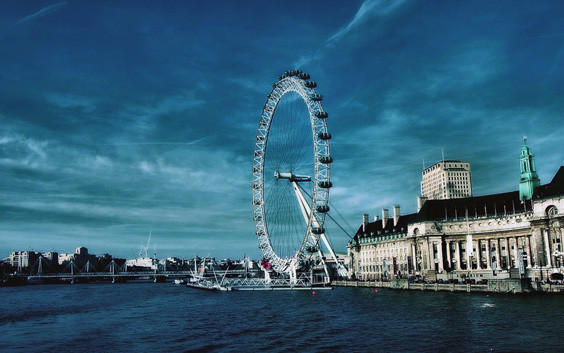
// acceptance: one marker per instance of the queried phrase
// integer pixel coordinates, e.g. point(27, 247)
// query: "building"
point(52, 257)
point(33, 261)
point(22, 259)
point(80, 258)
point(516, 234)
point(142, 264)
point(446, 180)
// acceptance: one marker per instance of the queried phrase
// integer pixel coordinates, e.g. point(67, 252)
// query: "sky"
point(124, 118)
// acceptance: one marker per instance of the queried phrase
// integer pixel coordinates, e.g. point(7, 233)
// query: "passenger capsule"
point(322, 208)
point(318, 230)
point(316, 97)
point(322, 115)
point(325, 184)
point(311, 84)
point(326, 159)
point(324, 135)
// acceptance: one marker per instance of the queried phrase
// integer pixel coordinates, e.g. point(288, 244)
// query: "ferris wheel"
point(291, 173)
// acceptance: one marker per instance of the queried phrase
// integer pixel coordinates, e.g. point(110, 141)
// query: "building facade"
point(32, 260)
point(446, 180)
point(22, 259)
point(487, 237)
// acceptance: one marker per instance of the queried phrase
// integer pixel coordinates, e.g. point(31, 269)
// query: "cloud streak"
point(43, 12)
point(368, 9)
point(157, 143)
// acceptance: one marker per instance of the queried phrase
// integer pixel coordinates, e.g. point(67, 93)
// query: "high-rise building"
point(447, 180)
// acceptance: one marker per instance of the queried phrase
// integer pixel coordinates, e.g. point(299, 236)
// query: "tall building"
point(446, 180)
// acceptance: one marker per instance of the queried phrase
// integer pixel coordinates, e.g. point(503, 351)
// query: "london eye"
point(291, 173)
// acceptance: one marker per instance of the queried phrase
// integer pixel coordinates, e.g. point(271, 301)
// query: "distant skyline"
point(128, 117)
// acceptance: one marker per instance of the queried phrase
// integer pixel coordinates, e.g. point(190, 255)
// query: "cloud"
point(43, 12)
point(463, 68)
point(65, 101)
point(157, 143)
point(18, 150)
point(368, 9)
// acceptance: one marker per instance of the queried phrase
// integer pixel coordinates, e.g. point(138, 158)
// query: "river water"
point(163, 317)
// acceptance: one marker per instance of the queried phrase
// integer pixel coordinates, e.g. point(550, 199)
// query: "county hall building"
point(515, 234)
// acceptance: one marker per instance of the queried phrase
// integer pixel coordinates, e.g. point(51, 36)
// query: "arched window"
point(551, 211)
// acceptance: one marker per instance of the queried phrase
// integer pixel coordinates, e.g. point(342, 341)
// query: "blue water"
point(163, 317)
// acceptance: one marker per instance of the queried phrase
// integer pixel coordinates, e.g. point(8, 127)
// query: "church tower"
point(529, 178)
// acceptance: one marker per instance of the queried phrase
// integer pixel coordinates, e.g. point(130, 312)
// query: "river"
point(163, 317)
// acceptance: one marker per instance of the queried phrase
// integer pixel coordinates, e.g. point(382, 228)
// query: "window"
point(551, 211)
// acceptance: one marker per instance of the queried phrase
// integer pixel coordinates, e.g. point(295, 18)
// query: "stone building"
point(509, 235)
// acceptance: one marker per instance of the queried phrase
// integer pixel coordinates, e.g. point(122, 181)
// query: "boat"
point(209, 284)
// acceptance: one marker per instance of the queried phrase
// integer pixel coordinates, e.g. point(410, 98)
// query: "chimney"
point(420, 202)
point(385, 215)
point(364, 221)
point(396, 214)
point(376, 218)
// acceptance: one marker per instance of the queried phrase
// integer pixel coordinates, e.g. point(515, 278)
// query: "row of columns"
point(427, 255)
point(551, 238)
point(423, 254)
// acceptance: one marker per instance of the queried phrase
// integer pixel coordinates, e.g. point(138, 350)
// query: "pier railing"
point(492, 286)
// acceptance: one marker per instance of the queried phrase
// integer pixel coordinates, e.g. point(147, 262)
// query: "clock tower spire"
point(529, 178)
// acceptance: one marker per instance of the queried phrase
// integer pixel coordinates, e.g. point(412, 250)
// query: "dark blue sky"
point(124, 117)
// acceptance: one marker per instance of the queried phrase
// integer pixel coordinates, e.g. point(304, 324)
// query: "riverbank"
point(492, 286)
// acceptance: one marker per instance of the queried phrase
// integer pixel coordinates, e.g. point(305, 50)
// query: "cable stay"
point(342, 271)
point(331, 217)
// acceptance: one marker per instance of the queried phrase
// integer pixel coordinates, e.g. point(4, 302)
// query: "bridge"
point(124, 276)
